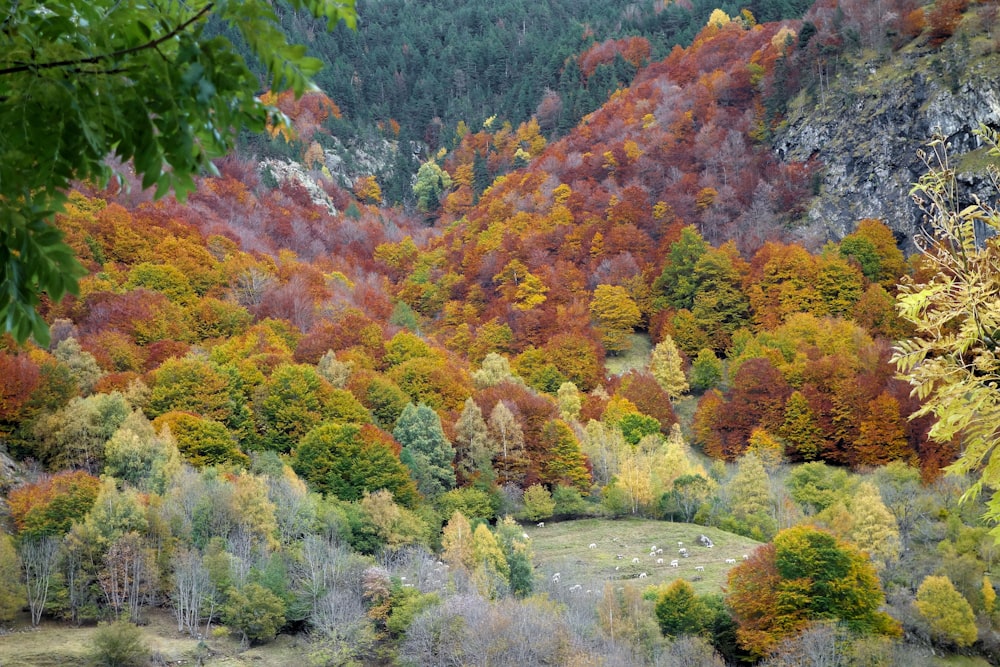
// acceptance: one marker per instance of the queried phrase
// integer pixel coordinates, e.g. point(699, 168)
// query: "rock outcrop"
point(868, 125)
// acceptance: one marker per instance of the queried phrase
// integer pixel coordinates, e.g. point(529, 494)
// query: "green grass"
point(564, 548)
point(55, 644)
point(635, 358)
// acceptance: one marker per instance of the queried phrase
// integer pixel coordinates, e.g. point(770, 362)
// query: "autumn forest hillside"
point(303, 405)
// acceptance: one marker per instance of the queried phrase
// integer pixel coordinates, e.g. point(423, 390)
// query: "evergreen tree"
point(426, 451)
point(679, 611)
point(474, 449)
point(566, 463)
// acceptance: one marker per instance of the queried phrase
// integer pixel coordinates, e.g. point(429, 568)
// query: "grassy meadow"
point(565, 548)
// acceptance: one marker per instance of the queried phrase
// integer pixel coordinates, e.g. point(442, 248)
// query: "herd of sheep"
point(655, 553)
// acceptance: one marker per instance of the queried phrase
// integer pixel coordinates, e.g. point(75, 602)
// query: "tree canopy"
point(87, 83)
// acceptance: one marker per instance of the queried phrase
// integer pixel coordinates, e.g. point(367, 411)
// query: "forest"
point(424, 417)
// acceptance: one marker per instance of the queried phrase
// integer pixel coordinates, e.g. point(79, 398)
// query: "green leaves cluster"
point(82, 81)
point(952, 361)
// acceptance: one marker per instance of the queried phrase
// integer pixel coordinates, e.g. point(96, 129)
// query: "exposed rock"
point(871, 122)
point(283, 171)
point(704, 541)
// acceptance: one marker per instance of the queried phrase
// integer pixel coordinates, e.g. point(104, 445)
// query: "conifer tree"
point(667, 366)
point(566, 464)
point(679, 611)
point(474, 449)
point(426, 451)
point(511, 460)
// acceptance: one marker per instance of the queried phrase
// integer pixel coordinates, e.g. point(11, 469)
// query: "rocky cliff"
point(867, 126)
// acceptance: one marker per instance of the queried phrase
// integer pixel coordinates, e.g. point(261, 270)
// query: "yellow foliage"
point(719, 18)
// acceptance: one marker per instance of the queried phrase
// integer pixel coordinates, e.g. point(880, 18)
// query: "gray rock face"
point(867, 127)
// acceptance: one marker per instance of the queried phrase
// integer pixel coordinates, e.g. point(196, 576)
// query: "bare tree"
point(38, 558)
point(192, 589)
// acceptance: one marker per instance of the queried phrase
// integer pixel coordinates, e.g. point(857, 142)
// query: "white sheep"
point(699, 568)
point(746, 557)
point(575, 588)
point(525, 536)
point(730, 561)
point(540, 524)
point(659, 551)
point(592, 546)
point(642, 575)
point(675, 563)
point(555, 577)
point(659, 561)
point(635, 560)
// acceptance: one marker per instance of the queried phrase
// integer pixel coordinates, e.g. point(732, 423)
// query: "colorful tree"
point(50, 507)
point(804, 575)
point(882, 436)
point(202, 442)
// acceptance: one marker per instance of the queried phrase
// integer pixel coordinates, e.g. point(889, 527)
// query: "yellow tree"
point(456, 542)
point(617, 316)
point(874, 528)
point(667, 367)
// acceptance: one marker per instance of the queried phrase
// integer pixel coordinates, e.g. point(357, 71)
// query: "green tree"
point(948, 615)
point(256, 612)
point(568, 398)
point(956, 375)
point(679, 611)
point(676, 282)
point(491, 569)
point(566, 463)
point(473, 446)
point(181, 96)
point(706, 371)
point(804, 575)
point(667, 366)
point(137, 456)
point(430, 184)
point(426, 451)
point(119, 644)
point(11, 588)
point(346, 460)
point(538, 503)
point(803, 436)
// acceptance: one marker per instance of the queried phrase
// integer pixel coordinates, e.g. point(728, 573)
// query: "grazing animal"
point(591, 546)
point(642, 575)
point(635, 560)
point(555, 577)
point(525, 536)
point(577, 587)
point(675, 563)
point(682, 550)
point(541, 524)
point(746, 557)
point(659, 561)
point(699, 568)
point(659, 551)
point(619, 556)
point(730, 561)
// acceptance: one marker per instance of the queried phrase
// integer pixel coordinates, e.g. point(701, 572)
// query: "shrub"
point(119, 644)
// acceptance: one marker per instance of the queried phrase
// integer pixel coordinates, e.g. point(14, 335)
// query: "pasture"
point(564, 547)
